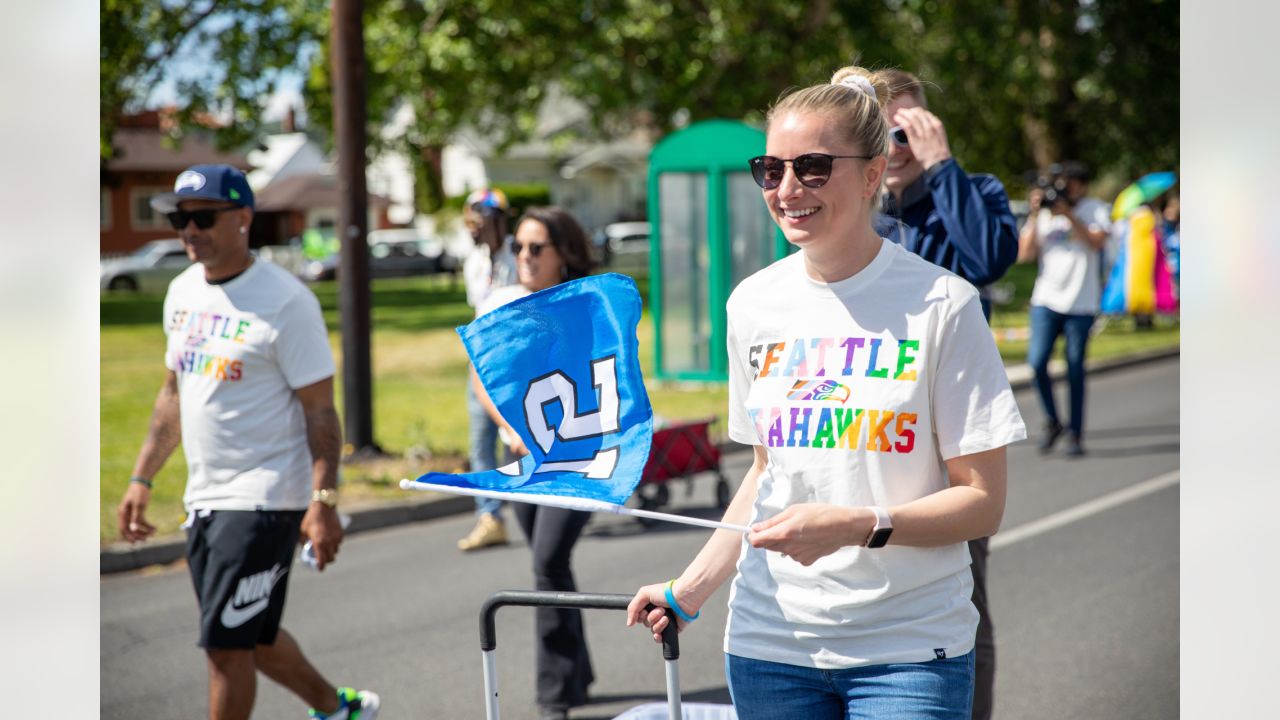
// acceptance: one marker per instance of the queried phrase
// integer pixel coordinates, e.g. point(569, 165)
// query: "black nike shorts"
point(239, 561)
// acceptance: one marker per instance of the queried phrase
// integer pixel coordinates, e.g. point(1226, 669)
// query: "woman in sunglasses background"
point(871, 390)
point(550, 247)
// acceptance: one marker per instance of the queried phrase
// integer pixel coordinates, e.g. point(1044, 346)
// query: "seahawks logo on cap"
point(188, 179)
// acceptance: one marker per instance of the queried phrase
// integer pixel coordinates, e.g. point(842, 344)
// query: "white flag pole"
point(572, 503)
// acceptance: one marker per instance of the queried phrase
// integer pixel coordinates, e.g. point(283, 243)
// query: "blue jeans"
point(1046, 326)
point(484, 442)
point(933, 690)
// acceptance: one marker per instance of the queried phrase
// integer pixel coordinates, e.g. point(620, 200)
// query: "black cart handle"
point(583, 601)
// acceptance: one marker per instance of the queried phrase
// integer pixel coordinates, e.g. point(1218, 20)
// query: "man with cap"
point(249, 393)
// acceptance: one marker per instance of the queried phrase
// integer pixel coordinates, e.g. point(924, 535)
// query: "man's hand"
point(1061, 208)
point(925, 135)
point(1035, 200)
point(321, 526)
point(810, 531)
point(132, 513)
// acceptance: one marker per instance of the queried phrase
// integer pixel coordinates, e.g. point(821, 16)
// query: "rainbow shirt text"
point(821, 412)
point(204, 331)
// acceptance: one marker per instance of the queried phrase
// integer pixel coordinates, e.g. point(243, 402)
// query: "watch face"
point(879, 537)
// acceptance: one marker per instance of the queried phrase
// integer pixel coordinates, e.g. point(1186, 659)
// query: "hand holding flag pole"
point(562, 367)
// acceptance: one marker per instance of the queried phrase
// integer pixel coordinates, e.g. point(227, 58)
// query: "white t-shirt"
point(1070, 279)
point(859, 390)
point(482, 274)
point(500, 296)
point(240, 349)
point(495, 299)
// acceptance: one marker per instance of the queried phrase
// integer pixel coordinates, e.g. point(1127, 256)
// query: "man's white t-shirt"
point(859, 390)
point(240, 349)
point(1070, 278)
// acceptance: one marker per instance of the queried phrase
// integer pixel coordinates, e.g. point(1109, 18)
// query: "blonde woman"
point(870, 387)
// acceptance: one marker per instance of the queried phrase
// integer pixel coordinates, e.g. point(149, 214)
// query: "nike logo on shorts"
point(252, 596)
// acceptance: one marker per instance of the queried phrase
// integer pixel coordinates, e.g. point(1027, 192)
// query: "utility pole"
point(349, 120)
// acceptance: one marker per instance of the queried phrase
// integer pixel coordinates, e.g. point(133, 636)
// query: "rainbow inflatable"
point(1140, 282)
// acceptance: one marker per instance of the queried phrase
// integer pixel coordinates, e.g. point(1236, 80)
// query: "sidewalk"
point(122, 557)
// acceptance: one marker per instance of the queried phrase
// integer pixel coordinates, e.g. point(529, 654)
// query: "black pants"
point(985, 656)
point(564, 665)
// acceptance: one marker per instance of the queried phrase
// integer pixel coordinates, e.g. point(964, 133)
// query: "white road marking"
point(1006, 538)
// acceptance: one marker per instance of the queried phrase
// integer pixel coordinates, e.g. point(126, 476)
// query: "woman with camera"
point(1067, 231)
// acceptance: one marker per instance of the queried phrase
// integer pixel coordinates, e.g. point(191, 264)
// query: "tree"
point(1024, 83)
point(1019, 83)
point(234, 52)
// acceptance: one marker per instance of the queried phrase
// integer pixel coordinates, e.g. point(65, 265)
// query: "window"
point(104, 209)
point(142, 217)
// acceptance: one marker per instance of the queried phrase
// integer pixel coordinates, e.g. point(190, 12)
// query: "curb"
point(123, 557)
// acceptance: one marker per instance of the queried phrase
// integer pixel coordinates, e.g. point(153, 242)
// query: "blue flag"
point(562, 366)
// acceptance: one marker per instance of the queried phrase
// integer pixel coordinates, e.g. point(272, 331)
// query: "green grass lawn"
point(419, 371)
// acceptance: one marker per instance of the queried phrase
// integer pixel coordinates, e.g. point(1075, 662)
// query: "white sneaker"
point(356, 705)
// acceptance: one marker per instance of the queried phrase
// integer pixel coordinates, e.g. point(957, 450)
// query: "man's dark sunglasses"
point(204, 218)
point(811, 169)
point(535, 249)
point(899, 136)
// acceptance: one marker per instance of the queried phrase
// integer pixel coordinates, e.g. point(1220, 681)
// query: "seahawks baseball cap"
point(206, 182)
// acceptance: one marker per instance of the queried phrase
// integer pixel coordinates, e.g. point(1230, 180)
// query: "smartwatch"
point(884, 528)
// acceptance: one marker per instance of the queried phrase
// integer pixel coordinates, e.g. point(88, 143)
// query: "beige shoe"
point(489, 530)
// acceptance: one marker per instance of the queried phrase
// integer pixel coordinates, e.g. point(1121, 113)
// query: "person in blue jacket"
point(961, 222)
point(932, 207)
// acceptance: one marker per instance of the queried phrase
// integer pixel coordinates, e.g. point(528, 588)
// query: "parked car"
point(386, 259)
point(621, 238)
point(627, 237)
point(149, 268)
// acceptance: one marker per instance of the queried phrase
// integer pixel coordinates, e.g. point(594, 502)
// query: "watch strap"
point(883, 528)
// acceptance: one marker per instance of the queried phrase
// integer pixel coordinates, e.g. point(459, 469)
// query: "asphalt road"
point(1084, 591)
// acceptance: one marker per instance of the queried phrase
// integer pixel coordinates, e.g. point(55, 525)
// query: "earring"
point(242, 229)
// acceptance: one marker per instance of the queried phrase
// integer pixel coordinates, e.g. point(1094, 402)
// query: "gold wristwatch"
point(327, 496)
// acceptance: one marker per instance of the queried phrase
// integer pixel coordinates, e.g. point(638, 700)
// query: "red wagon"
point(680, 450)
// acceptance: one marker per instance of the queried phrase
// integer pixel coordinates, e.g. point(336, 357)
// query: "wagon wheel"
point(722, 492)
point(661, 495)
point(651, 501)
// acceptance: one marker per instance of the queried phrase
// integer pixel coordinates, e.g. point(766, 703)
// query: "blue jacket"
point(958, 221)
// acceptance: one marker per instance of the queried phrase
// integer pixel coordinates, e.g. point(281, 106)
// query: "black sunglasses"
point(811, 169)
point(899, 136)
point(204, 219)
point(535, 249)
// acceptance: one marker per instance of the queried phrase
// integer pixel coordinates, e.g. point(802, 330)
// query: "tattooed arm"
point(163, 437)
point(324, 436)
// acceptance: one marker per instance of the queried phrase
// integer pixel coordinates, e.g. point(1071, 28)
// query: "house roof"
point(305, 192)
point(141, 148)
point(283, 155)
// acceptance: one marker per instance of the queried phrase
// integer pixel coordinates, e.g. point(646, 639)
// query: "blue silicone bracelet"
point(671, 600)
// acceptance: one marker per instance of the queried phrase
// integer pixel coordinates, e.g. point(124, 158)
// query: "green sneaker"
point(356, 705)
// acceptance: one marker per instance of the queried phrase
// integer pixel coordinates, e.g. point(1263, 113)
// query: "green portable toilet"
point(709, 230)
